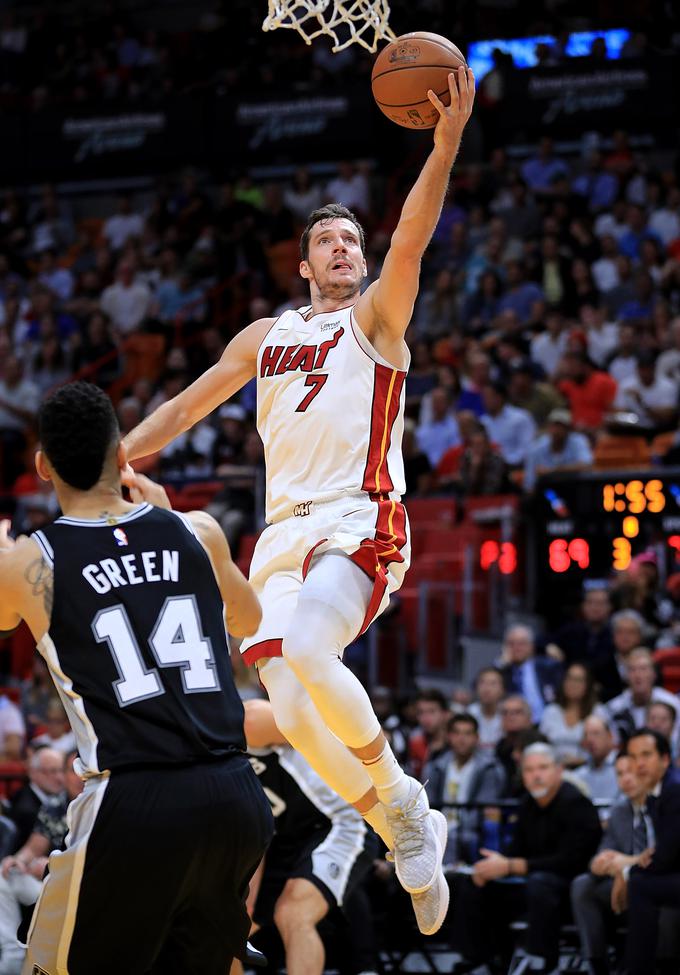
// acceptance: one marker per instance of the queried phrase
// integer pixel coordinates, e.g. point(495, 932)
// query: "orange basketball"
point(406, 69)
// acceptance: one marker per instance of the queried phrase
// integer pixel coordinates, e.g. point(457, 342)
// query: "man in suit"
point(45, 788)
point(623, 844)
point(535, 678)
point(655, 882)
point(463, 773)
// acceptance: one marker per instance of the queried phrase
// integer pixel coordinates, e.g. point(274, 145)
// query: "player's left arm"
point(385, 308)
point(10, 567)
point(243, 610)
point(259, 726)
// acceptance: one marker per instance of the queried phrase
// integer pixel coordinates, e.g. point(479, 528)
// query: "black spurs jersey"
point(137, 645)
point(302, 804)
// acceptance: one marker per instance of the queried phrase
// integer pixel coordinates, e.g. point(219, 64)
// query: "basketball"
point(406, 69)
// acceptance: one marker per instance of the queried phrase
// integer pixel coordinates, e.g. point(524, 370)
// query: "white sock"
point(390, 781)
point(376, 818)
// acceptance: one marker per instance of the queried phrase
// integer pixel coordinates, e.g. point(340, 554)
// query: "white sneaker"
point(431, 906)
point(418, 852)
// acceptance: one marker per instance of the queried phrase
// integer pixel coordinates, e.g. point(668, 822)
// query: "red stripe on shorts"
point(375, 554)
point(267, 648)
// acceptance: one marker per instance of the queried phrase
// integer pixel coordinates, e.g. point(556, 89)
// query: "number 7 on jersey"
point(317, 383)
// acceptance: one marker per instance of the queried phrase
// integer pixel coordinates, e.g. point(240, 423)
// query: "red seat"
point(668, 662)
point(439, 510)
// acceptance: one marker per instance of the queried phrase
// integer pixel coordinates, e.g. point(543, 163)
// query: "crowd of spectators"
point(580, 764)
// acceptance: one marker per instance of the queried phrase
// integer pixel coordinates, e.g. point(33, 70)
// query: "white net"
point(346, 22)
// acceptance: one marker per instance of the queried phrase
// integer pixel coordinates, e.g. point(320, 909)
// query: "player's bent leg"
point(329, 614)
point(299, 721)
point(301, 724)
point(298, 911)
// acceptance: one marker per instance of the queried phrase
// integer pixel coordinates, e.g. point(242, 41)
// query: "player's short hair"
point(76, 426)
point(331, 211)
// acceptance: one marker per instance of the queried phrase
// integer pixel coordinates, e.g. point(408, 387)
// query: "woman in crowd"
point(562, 722)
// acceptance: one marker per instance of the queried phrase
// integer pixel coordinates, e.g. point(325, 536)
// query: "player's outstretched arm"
point(242, 605)
point(235, 368)
point(387, 306)
point(259, 725)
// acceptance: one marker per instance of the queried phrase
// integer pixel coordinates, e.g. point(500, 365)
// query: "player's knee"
point(300, 905)
point(301, 649)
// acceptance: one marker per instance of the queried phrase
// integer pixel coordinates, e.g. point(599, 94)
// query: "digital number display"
point(563, 554)
point(502, 554)
point(634, 497)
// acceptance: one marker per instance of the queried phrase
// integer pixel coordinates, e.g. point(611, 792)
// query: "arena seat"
point(196, 497)
point(440, 510)
point(668, 662)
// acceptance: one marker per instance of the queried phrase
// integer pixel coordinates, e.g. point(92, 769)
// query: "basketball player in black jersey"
point(126, 604)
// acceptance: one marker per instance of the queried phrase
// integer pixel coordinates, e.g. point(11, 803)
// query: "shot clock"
point(594, 524)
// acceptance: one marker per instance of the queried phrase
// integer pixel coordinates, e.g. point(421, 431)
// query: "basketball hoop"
point(365, 21)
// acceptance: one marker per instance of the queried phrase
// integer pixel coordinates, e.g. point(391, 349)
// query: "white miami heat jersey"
point(330, 411)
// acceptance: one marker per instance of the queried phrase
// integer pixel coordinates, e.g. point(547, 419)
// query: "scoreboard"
point(591, 525)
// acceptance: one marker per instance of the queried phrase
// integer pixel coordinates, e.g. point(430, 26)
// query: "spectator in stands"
point(417, 468)
point(550, 344)
point(540, 170)
point(662, 717)
point(386, 712)
point(589, 391)
point(598, 774)
point(623, 844)
point(561, 449)
point(481, 306)
point(628, 632)
point(22, 872)
point(45, 787)
point(628, 710)
point(636, 232)
point(653, 399)
point(57, 734)
point(623, 364)
point(539, 399)
point(655, 882)
point(434, 437)
point(489, 691)
point(58, 279)
point(36, 694)
point(535, 678)
point(597, 185)
point(428, 739)
point(516, 723)
point(482, 470)
point(123, 225)
point(668, 363)
point(19, 399)
point(463, 773)
point(605, 269)
point(562, 723)
point(350, 187)
point(588, 638)
point(521, 297)
point(510, 428)
point(12, 731)
point(126, 302)
point(302, 196)
point(556, 833)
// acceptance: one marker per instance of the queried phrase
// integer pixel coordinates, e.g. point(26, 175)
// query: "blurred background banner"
point(579, 94)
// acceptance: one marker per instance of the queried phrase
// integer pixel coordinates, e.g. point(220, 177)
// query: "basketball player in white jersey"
point(330, 396)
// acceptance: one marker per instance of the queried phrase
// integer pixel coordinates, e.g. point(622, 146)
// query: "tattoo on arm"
point(41, 579)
